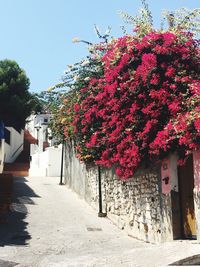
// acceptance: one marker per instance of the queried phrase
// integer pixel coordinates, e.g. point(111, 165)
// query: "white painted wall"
point(54, 161)
point(16, 145)
point(37, 126)
point(1, 155)
point(47, 163)
point(43, 163)
point(38, 164)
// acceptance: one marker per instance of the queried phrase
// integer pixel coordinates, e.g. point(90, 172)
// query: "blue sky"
point(38, 33)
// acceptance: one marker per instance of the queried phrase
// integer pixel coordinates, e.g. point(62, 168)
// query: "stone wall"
point(81, 179)
point(135, 205)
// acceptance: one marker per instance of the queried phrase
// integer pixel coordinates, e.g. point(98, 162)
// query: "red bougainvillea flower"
point(144, 106)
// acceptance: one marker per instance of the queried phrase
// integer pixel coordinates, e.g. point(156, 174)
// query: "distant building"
point(37, 126)
point(45, 158)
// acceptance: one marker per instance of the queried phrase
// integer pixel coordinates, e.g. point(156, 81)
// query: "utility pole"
point(100, 213)
point(62, 160)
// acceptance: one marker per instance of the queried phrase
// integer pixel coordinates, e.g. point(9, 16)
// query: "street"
point(49, 225)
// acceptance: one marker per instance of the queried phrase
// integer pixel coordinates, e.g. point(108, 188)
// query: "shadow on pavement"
point(189, 261)
point(14, 230)
point(7, 263)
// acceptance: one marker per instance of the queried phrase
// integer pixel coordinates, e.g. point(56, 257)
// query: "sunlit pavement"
point(49, 225)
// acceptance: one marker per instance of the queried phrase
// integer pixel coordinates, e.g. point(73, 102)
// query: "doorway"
point(186, 186)
point(184, 222)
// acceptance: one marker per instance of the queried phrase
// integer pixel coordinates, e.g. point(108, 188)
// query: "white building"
point(14, 143)
point(45, 158)
point(11, 144)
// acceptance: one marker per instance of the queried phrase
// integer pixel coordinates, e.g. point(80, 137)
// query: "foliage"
point(137, 98)
point(37, 104)
point(123, 116)
point(142, 23)
point(182, 130)
point(15, 100)
point(180, 20)
point(50, 102)
point(77, 76)
point(183, 19)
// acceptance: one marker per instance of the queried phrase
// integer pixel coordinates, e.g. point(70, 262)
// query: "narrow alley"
point(49, 225)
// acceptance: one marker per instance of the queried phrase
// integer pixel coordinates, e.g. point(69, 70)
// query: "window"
point(7, 136)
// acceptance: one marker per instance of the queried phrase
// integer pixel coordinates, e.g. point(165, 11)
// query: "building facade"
point(45, 158)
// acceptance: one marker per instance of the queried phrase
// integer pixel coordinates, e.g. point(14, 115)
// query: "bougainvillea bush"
point(63, 97)
point(144, 106)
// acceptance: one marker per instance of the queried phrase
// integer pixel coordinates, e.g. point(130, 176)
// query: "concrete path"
point(49, 226)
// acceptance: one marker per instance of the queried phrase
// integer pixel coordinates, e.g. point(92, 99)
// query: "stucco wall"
point(47, 163)
point(15, 147)
point(2, 143)
point(137, 205)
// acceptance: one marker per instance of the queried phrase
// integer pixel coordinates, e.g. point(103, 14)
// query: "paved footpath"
point(50, 226)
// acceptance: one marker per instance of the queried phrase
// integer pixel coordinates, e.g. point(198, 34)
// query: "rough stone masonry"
point(135, 205)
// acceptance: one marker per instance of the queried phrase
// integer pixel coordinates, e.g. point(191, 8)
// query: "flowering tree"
point(141, 103)
point(125, 116)
point(64, 103)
